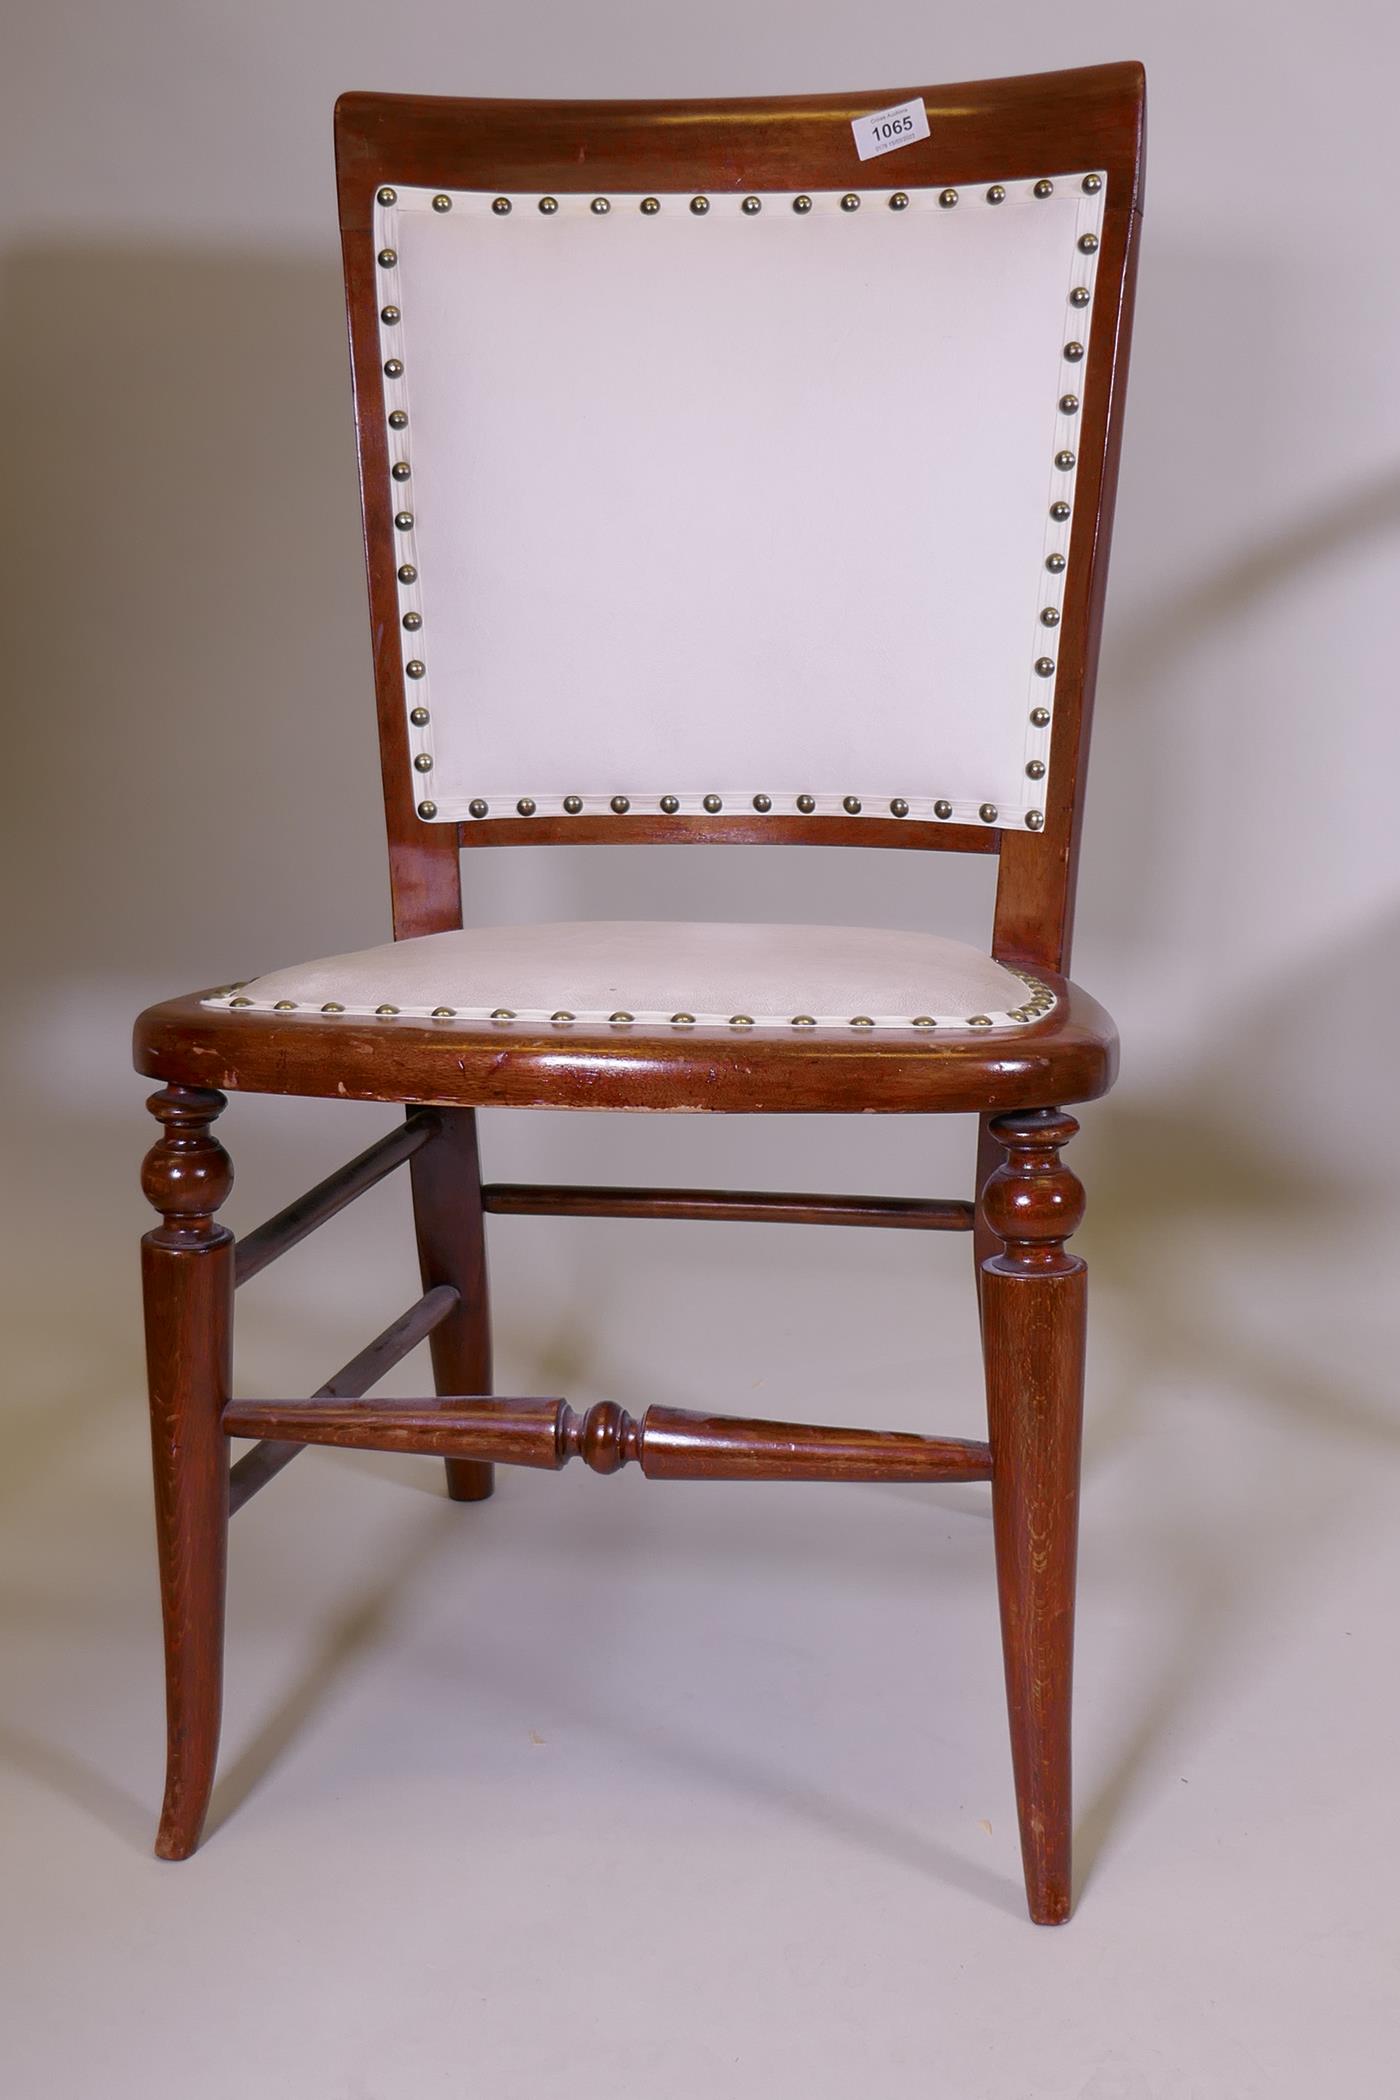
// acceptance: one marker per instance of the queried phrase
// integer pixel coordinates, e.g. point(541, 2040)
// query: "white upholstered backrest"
point(761, 504)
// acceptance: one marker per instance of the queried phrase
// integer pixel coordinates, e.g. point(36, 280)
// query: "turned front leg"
point(187, 1277)
point(1033, 1308)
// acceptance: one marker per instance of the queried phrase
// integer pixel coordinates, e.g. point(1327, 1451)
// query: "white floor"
point(614, 1788)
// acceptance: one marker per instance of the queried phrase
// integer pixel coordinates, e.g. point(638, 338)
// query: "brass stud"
point(741, 1020)
point(444, 1013)
point(763, 803)
point(1040, 717)
point(806, 803)
point(1049, 617)
point(924, 1021)
point(801, 204)
point(947, 198)
point(1059, 512)
point(1069, 404)
point(413, 621)
point(851, 805)
point(1088, 243)
point(407, 573)
point(427, 810)
point(713, 804)
point(988, 812)
point(1064, 461)
point(403, 519)
point(1035, 769)
point(1035, 818)
point(619, 805)
point(387, 258)
point(682, 1020)
point(548, 205)
point(332, 1006)
point(1091, 185)
point(500, 206)
point(996, 194)
point(850, 202)
point(390, 316)
point(284, 1006)
point(1079, 296)
point(478, 808)
point(401, 470)
point(385, 1011)
point(393, 368)
point(398, 419)
point(699, 205)
point(525, 807)
point(669, 805)
point(423, 762)
point(1054, 563)
point(900, 201)
point(979, 1020)
point(503, 1013)
point(572, 805)
point(943, 809)
point(442, 202)
point(804, 1020)
point(418, 716)
point(1074, 351)
point(562, 1015)
point(650, 205)
point(899, 807)
point(861, 1021)
point(621, 1017)
point(600, 207)
point(1045, 667)
point(248, 1002)
point(751, 205)
point(1044, 188)
point(387, 196)
point(415, 667)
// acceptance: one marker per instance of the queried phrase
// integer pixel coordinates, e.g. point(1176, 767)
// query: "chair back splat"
point(720, 485)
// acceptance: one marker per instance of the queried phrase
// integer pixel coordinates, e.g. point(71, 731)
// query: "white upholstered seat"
point(654, 971)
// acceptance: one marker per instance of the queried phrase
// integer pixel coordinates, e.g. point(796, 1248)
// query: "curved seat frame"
point(1025, 1202)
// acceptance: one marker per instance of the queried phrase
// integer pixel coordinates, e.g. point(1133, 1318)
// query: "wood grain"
point(187, 1280)
point(451, 1234)
point(1033, 1305)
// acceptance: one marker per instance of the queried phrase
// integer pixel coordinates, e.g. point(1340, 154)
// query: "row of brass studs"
point(1043, 1000)
point(699, 205)
point(1065, 462)
point(669, 805)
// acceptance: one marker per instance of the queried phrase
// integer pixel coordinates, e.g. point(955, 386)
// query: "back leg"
point(451, 1226)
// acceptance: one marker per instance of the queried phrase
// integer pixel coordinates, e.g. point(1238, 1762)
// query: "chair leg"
point(1033, 1306)
point(446, 1178)
point(984, 1240)
point(187, 1277)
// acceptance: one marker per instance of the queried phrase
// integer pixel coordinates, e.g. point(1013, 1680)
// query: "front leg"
point(1033, 1308)
point(187, 1277)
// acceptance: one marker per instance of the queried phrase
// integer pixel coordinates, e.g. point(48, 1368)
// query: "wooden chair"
point(731, 472)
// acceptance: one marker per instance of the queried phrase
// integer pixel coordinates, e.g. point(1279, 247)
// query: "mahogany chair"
point(722, 481)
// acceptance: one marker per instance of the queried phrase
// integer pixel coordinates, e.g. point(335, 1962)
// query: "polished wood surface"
point(1025, 1202)
point(451, 1232)
point(375, 1361)
point(1033, 1311)
point(518, 1199)
point(1069, 1055)
point(669, 1443)
point(187, 1280)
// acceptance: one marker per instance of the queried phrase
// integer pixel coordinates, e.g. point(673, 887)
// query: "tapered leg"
point(1033, 1304)
point(187, 1277)
point(446, 1177)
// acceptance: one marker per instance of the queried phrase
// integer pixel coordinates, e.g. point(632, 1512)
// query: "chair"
point(731, 472)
